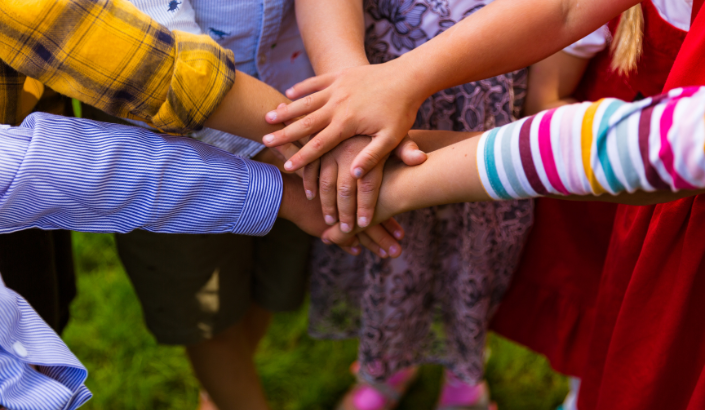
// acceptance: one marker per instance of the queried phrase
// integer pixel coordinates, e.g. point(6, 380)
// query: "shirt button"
point(262, 59)
point(19, 349)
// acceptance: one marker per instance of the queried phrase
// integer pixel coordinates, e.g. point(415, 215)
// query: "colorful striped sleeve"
point(594, 148)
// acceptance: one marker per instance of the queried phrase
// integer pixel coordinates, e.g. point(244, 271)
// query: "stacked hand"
point(368, 100)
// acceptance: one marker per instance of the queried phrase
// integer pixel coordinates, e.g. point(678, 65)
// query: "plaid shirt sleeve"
point(108, 54)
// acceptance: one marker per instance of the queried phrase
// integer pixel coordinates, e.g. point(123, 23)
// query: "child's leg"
point(224, 364)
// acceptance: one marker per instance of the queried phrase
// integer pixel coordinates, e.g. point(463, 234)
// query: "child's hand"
point(370, 100)
point(342, 196)
point(307, 215)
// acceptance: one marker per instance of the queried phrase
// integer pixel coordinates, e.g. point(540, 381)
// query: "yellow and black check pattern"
point(110, 55)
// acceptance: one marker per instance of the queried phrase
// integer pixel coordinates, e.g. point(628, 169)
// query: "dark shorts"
point(194, 286)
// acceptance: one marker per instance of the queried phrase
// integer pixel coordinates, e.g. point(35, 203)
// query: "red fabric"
point(648, 344)
point(550, 306)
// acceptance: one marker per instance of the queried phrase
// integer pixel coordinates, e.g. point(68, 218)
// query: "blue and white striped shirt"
point(55, 381)
point(67, 173)
point(82, 175)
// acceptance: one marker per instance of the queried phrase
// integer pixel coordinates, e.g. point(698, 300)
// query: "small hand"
point(365, 100)
point(342, 196)
point(307, 215)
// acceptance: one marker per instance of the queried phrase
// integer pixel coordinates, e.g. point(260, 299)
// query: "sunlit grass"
point(128, 370)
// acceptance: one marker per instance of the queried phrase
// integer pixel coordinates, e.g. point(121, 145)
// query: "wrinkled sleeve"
point(25, 339)
point(606, 147)
point(82, 175)
point(108, 54)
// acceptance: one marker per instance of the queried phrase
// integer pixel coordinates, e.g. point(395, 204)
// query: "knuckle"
point(307, 121)
point(367, 186)
point(316, 144)
point(326, 186)
point(308, 101)
point(345, 191)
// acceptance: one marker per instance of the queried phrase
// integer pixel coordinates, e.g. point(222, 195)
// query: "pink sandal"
point(377, 396)
point(459, 395)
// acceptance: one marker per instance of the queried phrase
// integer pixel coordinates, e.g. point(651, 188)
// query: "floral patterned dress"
point(433, 303)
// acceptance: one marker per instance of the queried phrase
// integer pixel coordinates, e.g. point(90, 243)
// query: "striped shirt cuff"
point(264, 196)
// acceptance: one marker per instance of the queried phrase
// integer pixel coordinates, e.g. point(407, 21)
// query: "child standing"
point(431, 304)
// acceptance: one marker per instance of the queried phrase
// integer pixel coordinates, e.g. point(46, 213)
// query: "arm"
point(128, 65)
point(343, 44)
point(381, 100)
point(552, 82)
point(640, 153)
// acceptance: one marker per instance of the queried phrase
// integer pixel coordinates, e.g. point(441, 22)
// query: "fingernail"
point(383, 253)
point(345, 228)
point(289, 91)
point(326, 241)
point(329, 220)
point(268, 139)
point(271, 116)
point(357, 172)
point(356, 250)
point(288, 165)
point(309, 195)
point(393, 250)
point(362, 221)
point(397, 234)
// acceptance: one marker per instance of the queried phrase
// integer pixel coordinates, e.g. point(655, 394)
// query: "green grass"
point(128, 370)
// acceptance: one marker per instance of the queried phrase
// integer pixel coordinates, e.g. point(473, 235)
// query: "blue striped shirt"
point(55, 381)
point(82, 175)
point(66, 173)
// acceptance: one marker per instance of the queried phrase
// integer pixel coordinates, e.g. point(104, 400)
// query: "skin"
point(381, 100)
point(342, 47)
point(295, 206)
point(450, 175)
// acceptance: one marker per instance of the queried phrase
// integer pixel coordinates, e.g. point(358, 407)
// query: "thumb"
point(408, 151)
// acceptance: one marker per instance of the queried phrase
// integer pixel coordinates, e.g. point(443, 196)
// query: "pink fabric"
point(666, 151)
point(549, 161)
point(367, 398)
point(458, 393)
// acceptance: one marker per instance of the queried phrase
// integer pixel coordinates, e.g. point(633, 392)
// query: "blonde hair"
point(627, 45)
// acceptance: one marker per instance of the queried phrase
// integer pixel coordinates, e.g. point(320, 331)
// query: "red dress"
point(551, 305)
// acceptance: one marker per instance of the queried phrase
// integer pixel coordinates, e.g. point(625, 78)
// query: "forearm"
point(333, 33)
point(89, 176)
point(432, 140)
point(501, 37)
point(608, 151)
point(242, 110)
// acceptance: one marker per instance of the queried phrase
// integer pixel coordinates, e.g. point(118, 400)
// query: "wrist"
point(415, 77)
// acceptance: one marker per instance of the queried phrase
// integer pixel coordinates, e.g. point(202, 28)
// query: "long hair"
point(627, 45)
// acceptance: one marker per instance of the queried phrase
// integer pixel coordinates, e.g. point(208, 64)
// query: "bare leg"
point(225, 367)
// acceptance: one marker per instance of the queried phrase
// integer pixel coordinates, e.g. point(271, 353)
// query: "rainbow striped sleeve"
point(604, 147)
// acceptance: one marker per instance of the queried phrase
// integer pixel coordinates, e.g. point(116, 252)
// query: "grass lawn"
point(128, 370)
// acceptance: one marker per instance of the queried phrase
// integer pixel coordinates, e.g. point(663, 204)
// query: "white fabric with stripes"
point(25, 340)
point(65, 173)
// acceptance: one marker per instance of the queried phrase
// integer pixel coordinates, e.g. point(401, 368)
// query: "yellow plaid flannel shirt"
point(110, 55)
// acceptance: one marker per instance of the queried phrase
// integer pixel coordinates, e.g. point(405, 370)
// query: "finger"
point(298, 129)
point(371, 155)
point(354, 251)
point(303, 106)
point(367, 193)
point(381, 237)
point(347, 200)
point(408, 151)
point(338, 237)
point(393, 227)
point(328, 181)
point(310, 85)
point(311, 179)
point(325, 141)
point(368, 243)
